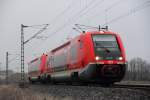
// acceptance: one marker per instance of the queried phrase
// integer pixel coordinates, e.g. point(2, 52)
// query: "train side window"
point(73, 52)
point(81, 44)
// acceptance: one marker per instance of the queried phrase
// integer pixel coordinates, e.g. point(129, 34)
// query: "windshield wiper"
point(106, 49)
point(100, 45)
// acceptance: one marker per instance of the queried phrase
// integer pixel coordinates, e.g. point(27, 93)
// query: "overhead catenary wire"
point(81, 27)
point(106, 10)
point(13, 59)
point(55, 19)
point(130, 12)
point(80, 14)
point(97, 4)
point(116, 3)
point(86, 8)
point(36, 34)
point(76, 30)
point(113, 5)
point(109, 8)
point(36, 26)
point(71, 19)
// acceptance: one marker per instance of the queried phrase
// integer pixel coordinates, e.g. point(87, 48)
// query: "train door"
point(50, 63)
point(43, 65)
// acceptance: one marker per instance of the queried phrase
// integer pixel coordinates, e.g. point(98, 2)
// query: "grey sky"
point(133, 29)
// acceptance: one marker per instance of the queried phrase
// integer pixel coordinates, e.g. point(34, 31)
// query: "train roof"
point(34, 60)
point(62, 46)
point(99, 32)
point(88, 32)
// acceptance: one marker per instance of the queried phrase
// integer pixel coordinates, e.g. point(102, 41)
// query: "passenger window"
point(81, 44)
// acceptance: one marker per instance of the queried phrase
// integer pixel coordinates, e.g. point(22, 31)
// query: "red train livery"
point(90, 57)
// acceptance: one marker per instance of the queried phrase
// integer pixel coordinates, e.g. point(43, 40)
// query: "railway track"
point(93, 91)
point(133, 86)
point(118, 85)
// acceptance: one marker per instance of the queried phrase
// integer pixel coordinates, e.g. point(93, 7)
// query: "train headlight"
point(97, 58)
point(120, 58)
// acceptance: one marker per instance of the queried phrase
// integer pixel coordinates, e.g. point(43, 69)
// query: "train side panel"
point(121, 47)
point(74, 54)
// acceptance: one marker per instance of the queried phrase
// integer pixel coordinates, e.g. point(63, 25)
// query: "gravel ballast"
point(90, 92)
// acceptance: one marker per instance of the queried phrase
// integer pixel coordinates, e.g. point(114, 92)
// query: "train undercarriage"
point(92, 73)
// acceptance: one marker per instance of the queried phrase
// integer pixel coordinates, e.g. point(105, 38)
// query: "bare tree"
point(138, 69)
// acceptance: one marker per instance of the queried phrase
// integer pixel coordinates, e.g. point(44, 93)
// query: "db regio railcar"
point(97, 57)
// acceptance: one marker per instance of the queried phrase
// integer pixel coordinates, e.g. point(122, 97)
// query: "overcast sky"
point(129, 18)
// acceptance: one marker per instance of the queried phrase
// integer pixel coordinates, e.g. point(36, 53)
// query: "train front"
point(109, 59)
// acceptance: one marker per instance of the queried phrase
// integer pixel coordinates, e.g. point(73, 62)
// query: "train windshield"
point(106, 46)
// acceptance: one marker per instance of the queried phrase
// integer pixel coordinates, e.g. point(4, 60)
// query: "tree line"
point(138, 70)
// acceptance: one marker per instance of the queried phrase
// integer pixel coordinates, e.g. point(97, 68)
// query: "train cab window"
point(106, 46)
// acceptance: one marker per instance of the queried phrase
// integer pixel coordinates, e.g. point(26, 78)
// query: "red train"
point(90, 57)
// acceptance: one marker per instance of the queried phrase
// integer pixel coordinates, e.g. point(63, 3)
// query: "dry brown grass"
point(12, 92)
